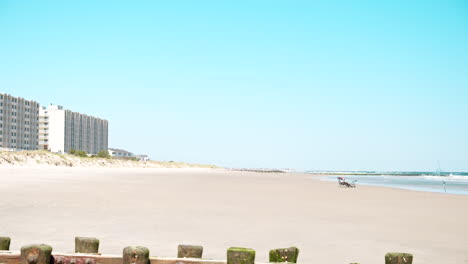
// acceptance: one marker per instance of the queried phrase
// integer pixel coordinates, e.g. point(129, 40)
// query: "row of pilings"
point(42, 254)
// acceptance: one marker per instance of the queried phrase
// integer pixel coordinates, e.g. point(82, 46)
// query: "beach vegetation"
point(103, 154)
point(79, 153)
point(70, 160)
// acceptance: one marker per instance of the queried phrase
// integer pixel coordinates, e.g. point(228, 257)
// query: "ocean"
point(446, 182)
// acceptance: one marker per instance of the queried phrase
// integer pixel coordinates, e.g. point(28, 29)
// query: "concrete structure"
point(43, 129)
point(63, 130)
point(18, 123)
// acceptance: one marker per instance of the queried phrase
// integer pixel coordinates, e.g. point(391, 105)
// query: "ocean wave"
point(446, 178)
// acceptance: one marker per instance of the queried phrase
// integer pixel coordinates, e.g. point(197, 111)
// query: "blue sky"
point(335, 85)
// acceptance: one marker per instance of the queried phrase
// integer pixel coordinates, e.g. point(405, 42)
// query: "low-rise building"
point(142, 157)
point(120, 153)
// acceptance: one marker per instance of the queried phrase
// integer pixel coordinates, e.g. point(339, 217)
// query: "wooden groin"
point(87, 252)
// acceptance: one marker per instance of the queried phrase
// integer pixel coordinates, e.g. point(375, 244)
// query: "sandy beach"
point(161, 208)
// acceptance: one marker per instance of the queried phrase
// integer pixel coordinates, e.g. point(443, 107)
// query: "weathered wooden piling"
point(35, 254)
point(5, 243)
point(284, 255)
point(189, 251)
point(237, 255)
point(86, 245)
point(136, 255)
point(398, 258)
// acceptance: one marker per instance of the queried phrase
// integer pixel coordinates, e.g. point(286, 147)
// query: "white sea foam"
point(446, 178)
point(454, 184)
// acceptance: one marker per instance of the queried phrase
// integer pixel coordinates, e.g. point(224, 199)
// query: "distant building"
point(121, 153)
point(18, 123)
point(142, 157)
point(63, 130)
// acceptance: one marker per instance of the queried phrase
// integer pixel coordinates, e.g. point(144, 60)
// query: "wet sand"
point(161, 208)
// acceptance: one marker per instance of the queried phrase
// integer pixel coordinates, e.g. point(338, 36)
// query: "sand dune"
point(161, 208)
point(44, 158)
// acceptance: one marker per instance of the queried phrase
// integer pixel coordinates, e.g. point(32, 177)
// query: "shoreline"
point(386, 187)
point(390, 173)
point(457, 186)
point(276, 173)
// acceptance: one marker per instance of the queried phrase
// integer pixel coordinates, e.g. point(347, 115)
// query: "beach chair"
point(343, 183)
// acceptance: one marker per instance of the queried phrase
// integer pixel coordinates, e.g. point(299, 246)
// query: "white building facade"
point(63, 130)
point(121, 153)
point(18, 123)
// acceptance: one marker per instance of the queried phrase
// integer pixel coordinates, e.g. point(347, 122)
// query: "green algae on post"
point(284, 255)
point(35, 254)
point(238, 255)
point(86, 245)
point(189, 251)
point(136, 255)
point(398, 258)
point(5, 243)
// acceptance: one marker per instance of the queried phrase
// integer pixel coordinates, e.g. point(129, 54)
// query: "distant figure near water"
point(343, 182)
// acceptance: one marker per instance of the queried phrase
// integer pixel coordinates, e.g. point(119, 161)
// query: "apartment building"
point(18, 123)
point(63, 130)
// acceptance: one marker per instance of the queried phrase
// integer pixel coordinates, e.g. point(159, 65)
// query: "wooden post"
point(136, 255)
point(284, 255)
point(5, 243)
point(7, 257)
point(35, 254)
point(236, 255)
point(86, 245)
point(398, 258)
point(189, 251)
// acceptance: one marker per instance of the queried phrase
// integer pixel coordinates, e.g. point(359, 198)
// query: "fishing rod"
point(443, 180)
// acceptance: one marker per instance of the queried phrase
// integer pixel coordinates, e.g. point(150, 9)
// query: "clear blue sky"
point(301, 84)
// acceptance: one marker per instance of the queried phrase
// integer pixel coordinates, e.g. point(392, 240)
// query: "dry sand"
point(161, 208)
